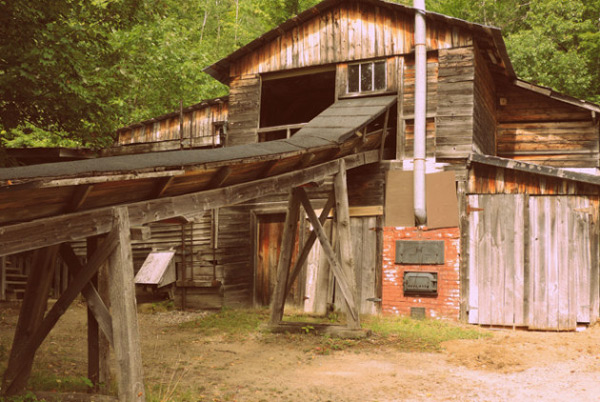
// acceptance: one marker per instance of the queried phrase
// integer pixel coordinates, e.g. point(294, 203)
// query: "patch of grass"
point(43, 381)
point(419, 335)
point(229, 322)
point(27, 397)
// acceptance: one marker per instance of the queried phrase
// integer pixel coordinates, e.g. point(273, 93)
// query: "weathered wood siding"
point(456, 93)
point(495, 180)
point(406, 105)
point(367, 242)
point(563, 262)
point(244, 110)
point(484, 107)
point(496, 260)
point(533, 261)
point(538, 129)
point(350, 31)
point(198, 127)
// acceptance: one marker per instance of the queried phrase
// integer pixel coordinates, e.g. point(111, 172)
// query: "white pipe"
point(419, 152)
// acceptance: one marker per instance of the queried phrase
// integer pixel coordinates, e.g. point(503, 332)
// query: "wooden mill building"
point(319, 118)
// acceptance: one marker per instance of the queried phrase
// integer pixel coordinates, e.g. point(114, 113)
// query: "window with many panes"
point(367, 77)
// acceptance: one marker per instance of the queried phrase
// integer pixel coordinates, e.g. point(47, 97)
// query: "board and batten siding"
point(456, 99)
point(198, 127)
point(244, 110)
point(533, 260)
point(350, 31)
point(484, 107)
point(538, 129)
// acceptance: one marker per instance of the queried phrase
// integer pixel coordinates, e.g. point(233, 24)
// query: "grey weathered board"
point(533, 261)
point(496, 260)
point(562, 260)
point(320, 282)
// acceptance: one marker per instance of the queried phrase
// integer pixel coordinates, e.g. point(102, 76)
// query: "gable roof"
point(220, 69)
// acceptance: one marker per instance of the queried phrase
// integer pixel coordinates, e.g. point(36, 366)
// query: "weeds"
point(234, 323)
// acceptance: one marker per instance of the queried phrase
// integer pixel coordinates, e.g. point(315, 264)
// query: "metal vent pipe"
point(419, 152)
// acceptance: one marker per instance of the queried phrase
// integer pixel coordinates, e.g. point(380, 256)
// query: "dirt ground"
point(181, 365)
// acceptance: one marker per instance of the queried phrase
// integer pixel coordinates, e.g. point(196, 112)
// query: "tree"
point(52, 61)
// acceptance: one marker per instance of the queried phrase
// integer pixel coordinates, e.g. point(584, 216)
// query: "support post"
point(3, 278)
point(93, 330)
point(285, 257)
point(126, 337)
point(342, 211)
point(35, 301)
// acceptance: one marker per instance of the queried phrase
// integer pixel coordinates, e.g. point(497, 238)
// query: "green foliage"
point(236, 323)
point(553, 43)
point(43, 381)
point(76, 70)
point(425, 335)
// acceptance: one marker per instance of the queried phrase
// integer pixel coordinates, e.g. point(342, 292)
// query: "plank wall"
point(456, 94)
point(244, 115)
point(484, 107)
point(538, 129)
point(347, 32)
point(406, 108)
point(495, 180)
point(198, 127)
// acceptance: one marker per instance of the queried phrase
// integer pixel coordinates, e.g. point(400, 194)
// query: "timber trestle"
point(341, 262)
point(120, 327)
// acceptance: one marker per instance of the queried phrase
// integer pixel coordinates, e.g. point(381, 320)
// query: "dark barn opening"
point(294, 100)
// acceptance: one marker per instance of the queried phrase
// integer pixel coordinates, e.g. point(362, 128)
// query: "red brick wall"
point(447, 302)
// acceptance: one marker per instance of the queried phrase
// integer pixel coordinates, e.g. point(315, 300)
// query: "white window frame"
point(360, 67)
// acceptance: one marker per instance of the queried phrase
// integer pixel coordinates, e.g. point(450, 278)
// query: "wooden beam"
point(126, 338)
point(93, 330)
point(384, 133)
point(59, 229)
point(163, 186)
point(345, 240)
point(2, 278)
point(303, 255)
point(32, 312)
point(141, 233)
point(269, 168)
point(220, 177)
point(25, 352)
point(306, 160)
point(93, 299)
point(80, 194)
point(338, 270)
point(288, 241)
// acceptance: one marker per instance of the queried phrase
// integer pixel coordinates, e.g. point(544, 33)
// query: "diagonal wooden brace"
point(344, 281)
point(27, 351)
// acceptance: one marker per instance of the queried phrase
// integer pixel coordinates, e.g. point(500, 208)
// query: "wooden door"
point(270, 230)
point(269, 235)
point(533, 261)
point(496, 259)
point(563, 262)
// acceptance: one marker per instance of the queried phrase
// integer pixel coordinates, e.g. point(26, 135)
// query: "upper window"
point(367, 77)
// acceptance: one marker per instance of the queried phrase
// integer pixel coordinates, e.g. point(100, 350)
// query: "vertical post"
point(285, 257)
point(342, 211)
point(3, 278)
point(32, 313)
point(93, 331)
point(124, 313)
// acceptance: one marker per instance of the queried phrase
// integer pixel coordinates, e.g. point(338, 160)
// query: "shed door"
point(270, 232)
point(533, 263)
point(496, 260)
point(563, 262)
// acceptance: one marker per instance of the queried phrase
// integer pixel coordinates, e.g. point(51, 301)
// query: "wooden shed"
point(319, 118)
